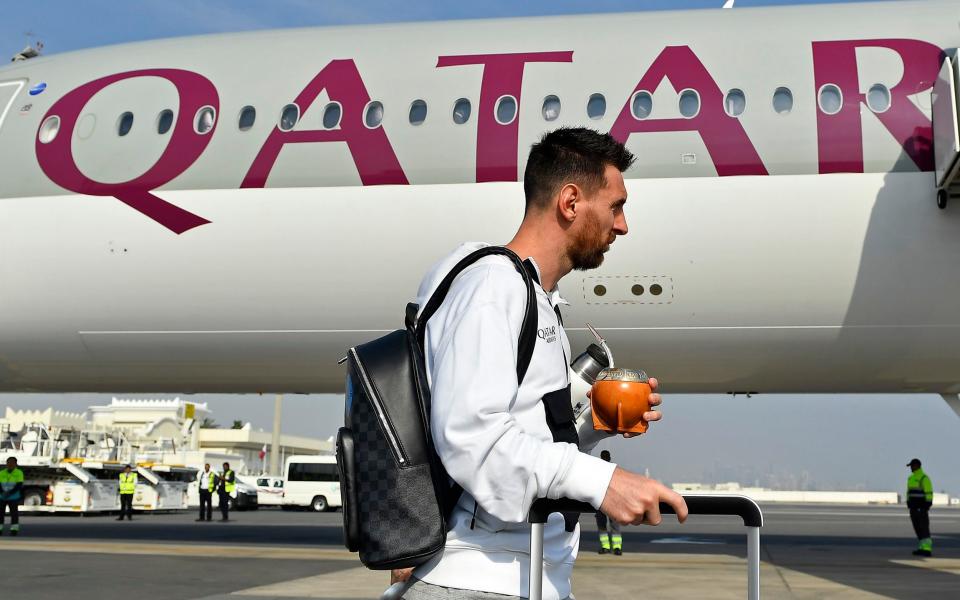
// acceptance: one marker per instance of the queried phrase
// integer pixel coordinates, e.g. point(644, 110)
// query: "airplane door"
point(8, 93)
point(946, 132)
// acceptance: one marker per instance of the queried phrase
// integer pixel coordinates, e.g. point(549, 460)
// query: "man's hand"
point(400, 575)
point(632, 499)
point(651, 415)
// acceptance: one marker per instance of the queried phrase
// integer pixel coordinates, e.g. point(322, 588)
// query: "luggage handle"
point(698, 504)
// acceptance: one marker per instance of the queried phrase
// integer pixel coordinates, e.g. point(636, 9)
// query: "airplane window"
point(831, 100)
point(374, 115)
point(125, 124)
point(49, 129)
point(289, 117)
point(461, 111)
point(656, 289)
point(642, 105)
point(782, 101)
point(164, 121)
point(248, 116)
point(689, 103)
point(204, 120)
point(878, 98)
point(637, 289)
point(551, 108)
point(418, 112)
point(596, 106)
point(506, 110)
point(735, 103)
point(331, 115)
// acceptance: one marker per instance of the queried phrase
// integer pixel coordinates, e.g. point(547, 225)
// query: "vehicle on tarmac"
point(311, 482)
point(269, 488)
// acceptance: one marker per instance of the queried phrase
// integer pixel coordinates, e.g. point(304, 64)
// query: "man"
point(225, 486)
point(206, 483)
point(919, 501)
point(11, 490)
point(608, 528)
point(128, 485)
point(491, 434)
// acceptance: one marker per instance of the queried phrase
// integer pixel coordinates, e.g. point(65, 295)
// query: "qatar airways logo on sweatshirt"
point(548, 334)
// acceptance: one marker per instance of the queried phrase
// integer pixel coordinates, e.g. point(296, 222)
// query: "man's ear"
point(567, 201)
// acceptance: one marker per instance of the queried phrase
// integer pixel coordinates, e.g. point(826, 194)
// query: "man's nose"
point(620, 224)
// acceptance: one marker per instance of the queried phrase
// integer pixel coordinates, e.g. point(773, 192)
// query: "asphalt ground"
point(808, 552)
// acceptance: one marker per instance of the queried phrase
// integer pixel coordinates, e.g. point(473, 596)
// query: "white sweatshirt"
point(493, 438)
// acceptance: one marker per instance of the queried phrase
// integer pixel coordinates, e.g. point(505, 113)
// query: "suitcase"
point(736, 505)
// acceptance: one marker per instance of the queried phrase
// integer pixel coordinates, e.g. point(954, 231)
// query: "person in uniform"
point(11, 491)
point(128, 485)
point(207, 484)
point(610, 536)
point(919, 501)
point(225, 486)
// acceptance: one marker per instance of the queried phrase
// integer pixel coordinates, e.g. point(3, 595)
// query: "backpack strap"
point(528, 331)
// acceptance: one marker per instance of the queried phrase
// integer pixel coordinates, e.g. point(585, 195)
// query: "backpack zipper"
point(378, 408)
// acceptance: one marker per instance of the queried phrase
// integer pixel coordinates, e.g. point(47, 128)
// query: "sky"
point(830, 442)
point(65, 25)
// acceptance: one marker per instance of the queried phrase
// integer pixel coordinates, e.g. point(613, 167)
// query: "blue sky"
point(71, 24)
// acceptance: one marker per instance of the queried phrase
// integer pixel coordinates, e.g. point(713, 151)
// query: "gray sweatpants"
point(421, 590)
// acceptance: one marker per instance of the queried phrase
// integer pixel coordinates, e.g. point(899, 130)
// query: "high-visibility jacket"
point(128, 483)
point(211, 480)
point(919, 488)
point(9, 481)
point(229, 482)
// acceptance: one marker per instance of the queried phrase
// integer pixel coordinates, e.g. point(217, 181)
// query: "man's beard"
point(587, 249)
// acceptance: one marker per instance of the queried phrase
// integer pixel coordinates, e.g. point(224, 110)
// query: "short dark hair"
point(571, 155)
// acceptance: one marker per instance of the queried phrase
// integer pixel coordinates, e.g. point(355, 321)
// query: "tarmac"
point(808, 551)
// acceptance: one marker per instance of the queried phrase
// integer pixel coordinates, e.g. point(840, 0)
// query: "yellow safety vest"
point(211, 479)
point(229, 486)
point(128, 483)
point(919, 487)
point(9, 480)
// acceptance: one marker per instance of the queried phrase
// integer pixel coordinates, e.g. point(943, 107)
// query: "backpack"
point(397, 497)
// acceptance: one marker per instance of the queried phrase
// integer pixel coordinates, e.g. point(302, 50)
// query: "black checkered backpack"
point(397, 496)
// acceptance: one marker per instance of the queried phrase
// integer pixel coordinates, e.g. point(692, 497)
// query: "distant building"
point(799, 497)
point(164, 431)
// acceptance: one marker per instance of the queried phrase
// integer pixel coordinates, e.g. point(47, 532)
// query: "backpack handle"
point(528, 331)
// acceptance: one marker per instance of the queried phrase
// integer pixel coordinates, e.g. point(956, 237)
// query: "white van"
point(311, 482)
point(269, 489)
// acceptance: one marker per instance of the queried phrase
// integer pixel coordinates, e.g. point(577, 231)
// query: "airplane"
point(230, 213)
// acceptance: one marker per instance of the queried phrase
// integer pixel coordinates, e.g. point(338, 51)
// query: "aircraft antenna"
point(32, 49)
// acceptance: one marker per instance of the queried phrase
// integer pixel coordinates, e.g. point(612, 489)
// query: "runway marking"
point(686, 540)
point(199, 550)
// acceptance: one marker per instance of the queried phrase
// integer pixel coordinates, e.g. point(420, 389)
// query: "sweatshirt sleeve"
point(482, 446)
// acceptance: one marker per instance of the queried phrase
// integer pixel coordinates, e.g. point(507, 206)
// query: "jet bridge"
point(946, 130)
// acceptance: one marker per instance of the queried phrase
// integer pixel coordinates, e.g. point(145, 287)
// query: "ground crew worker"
point(11, 490)
point(128, 485)
point(207, 483)
point(608, 528)
point(919, 501)
point(225, 486)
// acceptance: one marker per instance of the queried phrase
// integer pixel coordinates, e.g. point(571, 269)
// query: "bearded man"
point(491, 433)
